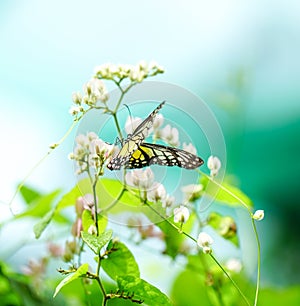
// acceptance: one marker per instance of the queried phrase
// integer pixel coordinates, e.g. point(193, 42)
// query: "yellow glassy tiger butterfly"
point(137, 154)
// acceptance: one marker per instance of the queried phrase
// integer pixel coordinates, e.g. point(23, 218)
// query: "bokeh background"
point(240, 57)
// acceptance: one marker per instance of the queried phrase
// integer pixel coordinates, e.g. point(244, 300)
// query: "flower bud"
point(181, 214)
point(205, 241)
point(259, 215)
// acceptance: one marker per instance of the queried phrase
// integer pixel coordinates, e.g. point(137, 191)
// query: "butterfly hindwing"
point(133, 141)
point(148, 154)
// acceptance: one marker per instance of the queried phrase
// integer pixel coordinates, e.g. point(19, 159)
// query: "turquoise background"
point(241, 57)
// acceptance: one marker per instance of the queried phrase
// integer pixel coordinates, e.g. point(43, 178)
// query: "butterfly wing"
point(132, 142)
point(148, 154)
point(142, 130)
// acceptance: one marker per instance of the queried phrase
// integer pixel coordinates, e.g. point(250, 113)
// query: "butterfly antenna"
point(129, 114)
point(128, 110)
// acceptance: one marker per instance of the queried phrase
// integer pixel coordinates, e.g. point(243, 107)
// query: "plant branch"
point(232, 281)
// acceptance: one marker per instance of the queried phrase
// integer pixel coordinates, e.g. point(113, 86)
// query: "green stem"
point(258, 262)
point(117, 125)
point(96, 206)
point(232, 281)
point(99, 281)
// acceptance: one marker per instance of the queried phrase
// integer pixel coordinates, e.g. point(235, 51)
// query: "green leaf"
point(96, 243)
point(29, 194)
point(189, 289)
point(225, 226)
point(107, 191)
point(81, 271)
point(143, 291)
point(230, 195)
point(280, 296)
point(172, 238)
point(42, 224)
point(41, 206)
point(69, 199)
point(88, 220)
point(119, 261)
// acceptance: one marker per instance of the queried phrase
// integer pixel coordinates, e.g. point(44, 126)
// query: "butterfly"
point(133, 141)
point(137, 154)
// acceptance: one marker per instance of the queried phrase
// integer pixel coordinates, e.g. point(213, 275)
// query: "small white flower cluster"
point(136, 73)
point(91, 153)
point(214, 165)
point(151, 190)
point(192, 192)
point(94, 92)
point(205, 241)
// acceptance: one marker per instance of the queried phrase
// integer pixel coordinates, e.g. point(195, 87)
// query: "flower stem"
point(232, 281)
point(258, 261)
point(96, 206)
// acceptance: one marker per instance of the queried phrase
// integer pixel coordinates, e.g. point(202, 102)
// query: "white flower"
point(152, 65)
point(168, 201)
point(139, 178)
point(259, 215)
point(214, 165)
point(137, 74)
point(99, 147)
point(143, 65)
point(92, 152)
point(77, 98)
point(205, 241)
point(170, 135)
point(192, 192)
point(158, 121)
point(157, 193)
point(81, 140)
point(181, 214)
point(234, 265)
point(189, 148)
point(105, 71)
point(74, 110)
point(95, 91)
point(131, 124)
